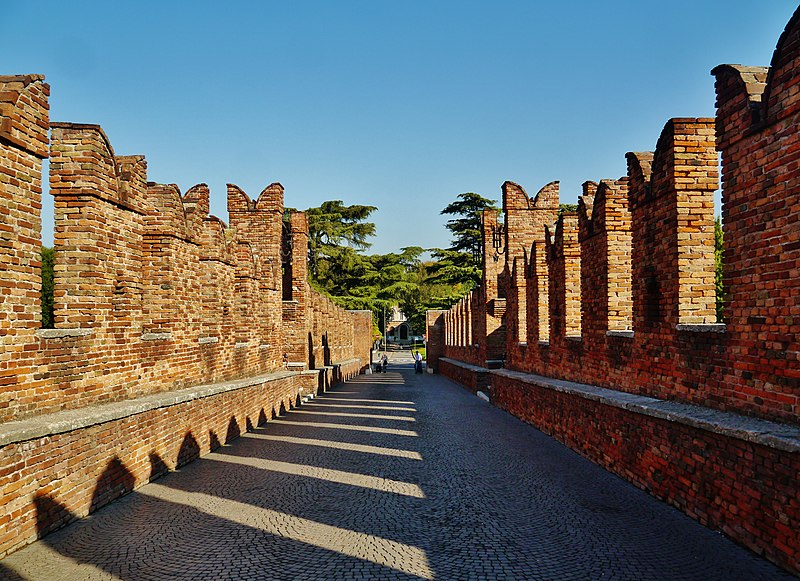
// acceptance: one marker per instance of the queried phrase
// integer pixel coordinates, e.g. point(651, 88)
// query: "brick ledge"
point(766, 433)
point(69, 420)
point(467, 366)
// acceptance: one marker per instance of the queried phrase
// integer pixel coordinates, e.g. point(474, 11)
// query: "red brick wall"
point(152, 295)
point(51, 480)
point(670, 236)
point(746, 490)
point(434, 323)
point(23, 145)
point(758, 138)
point(644, 274)
point(474, 378)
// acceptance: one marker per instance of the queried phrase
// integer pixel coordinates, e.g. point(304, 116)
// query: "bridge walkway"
point(389, 476)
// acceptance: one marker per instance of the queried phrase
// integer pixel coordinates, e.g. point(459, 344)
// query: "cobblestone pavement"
point(390, 476)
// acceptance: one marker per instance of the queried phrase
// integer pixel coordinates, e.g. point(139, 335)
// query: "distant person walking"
point(384, 363)
point(417, 362)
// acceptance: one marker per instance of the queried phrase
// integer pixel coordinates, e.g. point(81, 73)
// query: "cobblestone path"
point(390, 476)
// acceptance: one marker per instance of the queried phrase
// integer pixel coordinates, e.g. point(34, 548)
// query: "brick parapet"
point(730, 473)
point(56, 469)
point(564, 268)
point(152, 294)
point(24, 120)
point(491, 264)
point(435, 340)
point(605, 240)
point(758, 142)
point(648, 322)
point(24, 113)
point(525, 219)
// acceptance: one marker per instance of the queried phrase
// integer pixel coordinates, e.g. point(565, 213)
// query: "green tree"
point(718, 260)
point(334, 229)
point(339, 268)
point(48, 267)
point(466, 227)
point(460, 264)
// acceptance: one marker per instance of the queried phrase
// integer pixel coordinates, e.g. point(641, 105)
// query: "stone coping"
point(702, 327)
point(69, 420)
point(62, 333)
point(167, 336)
point(758, 431)
point(467, 366)
point(620, 333)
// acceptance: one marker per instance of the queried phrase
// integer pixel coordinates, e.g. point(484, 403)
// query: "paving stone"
point(465, 491)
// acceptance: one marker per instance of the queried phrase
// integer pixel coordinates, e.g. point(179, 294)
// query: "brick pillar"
point(435, 324)
point(171, 249)
point(98, 268)
point(460, 323)
point(758, 139)
point(491, 264)
point(24, 119)
point(525, 220)
point(218, 271)
point(564, 263)
point(605, 240)
point(362, 336)
point(673, 227)
point(259, 223)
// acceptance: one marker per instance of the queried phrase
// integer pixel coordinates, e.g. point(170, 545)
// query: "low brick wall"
point(472, 377)
point(731, 473)
point(63, 466)
point(339, 371)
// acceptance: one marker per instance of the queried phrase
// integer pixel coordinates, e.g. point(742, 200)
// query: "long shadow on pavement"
point(338, 493)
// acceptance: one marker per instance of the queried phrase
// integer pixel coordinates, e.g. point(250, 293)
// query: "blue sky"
point(401, 105)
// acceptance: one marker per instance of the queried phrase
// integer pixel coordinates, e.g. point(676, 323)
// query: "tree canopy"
point(339, 267)
point(336, 234)
point(460, 263)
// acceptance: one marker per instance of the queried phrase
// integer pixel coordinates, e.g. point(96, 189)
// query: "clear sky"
point(401, 105)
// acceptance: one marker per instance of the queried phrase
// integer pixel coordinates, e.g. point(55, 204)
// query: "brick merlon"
point(271, 198)
point(514, 196)
point(24, 112)
point(782, 67)
point(640, 167)
point(238, 200)
point(86, 128)
point(547, 197)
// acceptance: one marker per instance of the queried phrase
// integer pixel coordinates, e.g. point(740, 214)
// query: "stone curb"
point(69, 420)
point(766, 433)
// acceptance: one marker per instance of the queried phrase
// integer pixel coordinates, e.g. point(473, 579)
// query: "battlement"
point(151, 292)
point(24, 113)
point(153, 298)
point(619, 299)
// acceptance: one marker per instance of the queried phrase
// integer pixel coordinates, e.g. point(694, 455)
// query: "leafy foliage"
point(718, 260)
point(460, 264)
point(336, 234)
point(48, 266)
point(339, 234)
point(466, 229)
